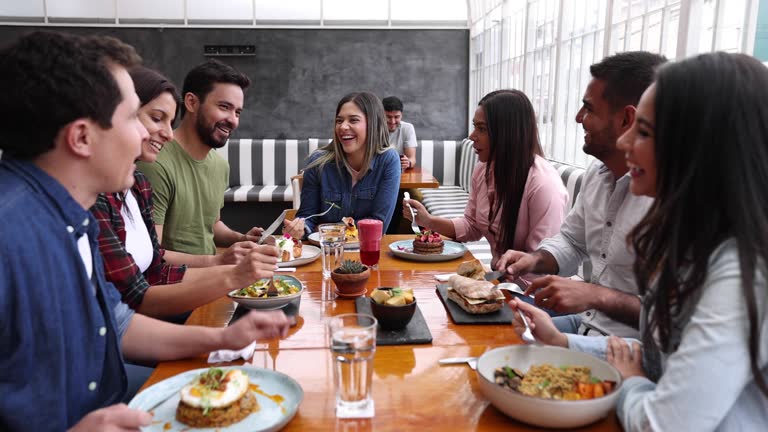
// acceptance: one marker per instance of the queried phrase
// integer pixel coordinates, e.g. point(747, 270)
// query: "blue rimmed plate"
point(279, 397)
point(404, 249)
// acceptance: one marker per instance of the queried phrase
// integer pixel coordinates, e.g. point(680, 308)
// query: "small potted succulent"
point(351, 278)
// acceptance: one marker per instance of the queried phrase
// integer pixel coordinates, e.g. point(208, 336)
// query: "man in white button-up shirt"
point(604, 213)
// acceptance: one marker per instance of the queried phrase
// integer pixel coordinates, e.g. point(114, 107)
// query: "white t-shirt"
point(137, 241)
point(403, 137)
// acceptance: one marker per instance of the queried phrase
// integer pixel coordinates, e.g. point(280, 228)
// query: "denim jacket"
point(374, 196)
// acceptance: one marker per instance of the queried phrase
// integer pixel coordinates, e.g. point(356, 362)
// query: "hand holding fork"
point(296, 227)
point(415, 212)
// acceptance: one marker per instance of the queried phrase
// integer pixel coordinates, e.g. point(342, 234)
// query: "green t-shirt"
point(188, 195)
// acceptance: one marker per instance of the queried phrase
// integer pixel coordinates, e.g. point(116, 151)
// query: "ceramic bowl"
point(545, 412)
point(392, 317)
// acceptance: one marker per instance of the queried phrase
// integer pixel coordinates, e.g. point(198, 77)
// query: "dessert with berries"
point(428, 243)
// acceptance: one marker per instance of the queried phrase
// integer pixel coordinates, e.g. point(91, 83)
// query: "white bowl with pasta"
point(538, 411)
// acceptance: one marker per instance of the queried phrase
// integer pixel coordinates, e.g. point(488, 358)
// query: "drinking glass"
point(353, 344)
point(370, 232)
point(332, 237)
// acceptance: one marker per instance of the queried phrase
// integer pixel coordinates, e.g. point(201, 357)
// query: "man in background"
point(402, 135)
point(189, 178)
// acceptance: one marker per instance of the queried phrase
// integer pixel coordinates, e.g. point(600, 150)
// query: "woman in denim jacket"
point(358, 172)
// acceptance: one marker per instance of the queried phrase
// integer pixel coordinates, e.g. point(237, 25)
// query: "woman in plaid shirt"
point(133, 258)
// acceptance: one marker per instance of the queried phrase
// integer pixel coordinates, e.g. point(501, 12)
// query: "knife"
point(272, 228)
point(494, 276)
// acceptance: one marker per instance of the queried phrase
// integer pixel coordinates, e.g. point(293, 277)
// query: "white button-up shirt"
point(596, 230)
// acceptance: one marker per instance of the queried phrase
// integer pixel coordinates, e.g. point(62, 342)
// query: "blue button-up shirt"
point(60, 354)
point(373, 197)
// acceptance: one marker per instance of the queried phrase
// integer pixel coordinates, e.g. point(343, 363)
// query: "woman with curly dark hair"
point(699, 147)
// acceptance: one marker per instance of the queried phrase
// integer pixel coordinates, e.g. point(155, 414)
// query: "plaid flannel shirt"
point(119, 266)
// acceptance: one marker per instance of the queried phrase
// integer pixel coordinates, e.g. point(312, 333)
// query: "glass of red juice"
point(370, 232)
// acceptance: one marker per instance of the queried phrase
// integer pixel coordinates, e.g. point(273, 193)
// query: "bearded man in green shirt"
point(189, 178)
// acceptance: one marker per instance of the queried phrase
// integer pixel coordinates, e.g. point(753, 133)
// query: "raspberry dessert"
point(428, 243)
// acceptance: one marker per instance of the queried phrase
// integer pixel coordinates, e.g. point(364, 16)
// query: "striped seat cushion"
point(263, 162)
point(445, 201)
point(441, 159)
point(571, 177)
point(261, 169)
point(251, 193)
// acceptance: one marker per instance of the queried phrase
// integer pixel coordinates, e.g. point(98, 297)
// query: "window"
point(545, 48)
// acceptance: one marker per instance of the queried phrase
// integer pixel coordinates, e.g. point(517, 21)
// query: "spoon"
point(527, 335)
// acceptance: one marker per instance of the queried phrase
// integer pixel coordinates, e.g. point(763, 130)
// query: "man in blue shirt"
point(69, 131)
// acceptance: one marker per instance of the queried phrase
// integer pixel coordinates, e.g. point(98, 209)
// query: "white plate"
point(404, 249)
point(163, 398)
point(308, 254)
point(269, 303)
point(350, 245)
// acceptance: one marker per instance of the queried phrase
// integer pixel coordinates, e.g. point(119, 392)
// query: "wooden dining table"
point(417, 177)
point(410, 389)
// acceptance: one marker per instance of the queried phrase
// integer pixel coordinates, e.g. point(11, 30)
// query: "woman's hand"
point(540, 322)
point(294, 227)
point(421, 213)
point(629, 361)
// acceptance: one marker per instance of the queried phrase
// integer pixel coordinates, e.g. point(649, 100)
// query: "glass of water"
point(332, 237)
point(353, 344)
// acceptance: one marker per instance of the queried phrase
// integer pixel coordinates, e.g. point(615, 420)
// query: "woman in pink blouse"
point(517, 197)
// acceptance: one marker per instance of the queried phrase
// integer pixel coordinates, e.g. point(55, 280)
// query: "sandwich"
point(471, 269)
point(474, 296)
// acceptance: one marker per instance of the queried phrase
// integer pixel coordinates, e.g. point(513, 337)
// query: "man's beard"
point(206, 133)
point(602, 143)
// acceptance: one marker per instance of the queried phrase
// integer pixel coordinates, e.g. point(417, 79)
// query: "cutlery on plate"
point(471, 361)
point(414, 225)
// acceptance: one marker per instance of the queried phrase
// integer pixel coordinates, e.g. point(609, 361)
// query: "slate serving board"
point(291, 309)
point(416, 332)
point(460, 316)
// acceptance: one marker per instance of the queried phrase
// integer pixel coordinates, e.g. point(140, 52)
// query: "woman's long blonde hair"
point(377, 134)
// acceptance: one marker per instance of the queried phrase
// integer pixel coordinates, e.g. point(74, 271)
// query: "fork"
point(414, 225)
point(321, 214)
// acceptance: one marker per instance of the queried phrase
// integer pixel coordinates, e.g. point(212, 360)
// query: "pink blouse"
point(542, 209)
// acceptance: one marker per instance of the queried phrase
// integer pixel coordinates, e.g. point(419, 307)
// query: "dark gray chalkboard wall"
point(299, 75)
